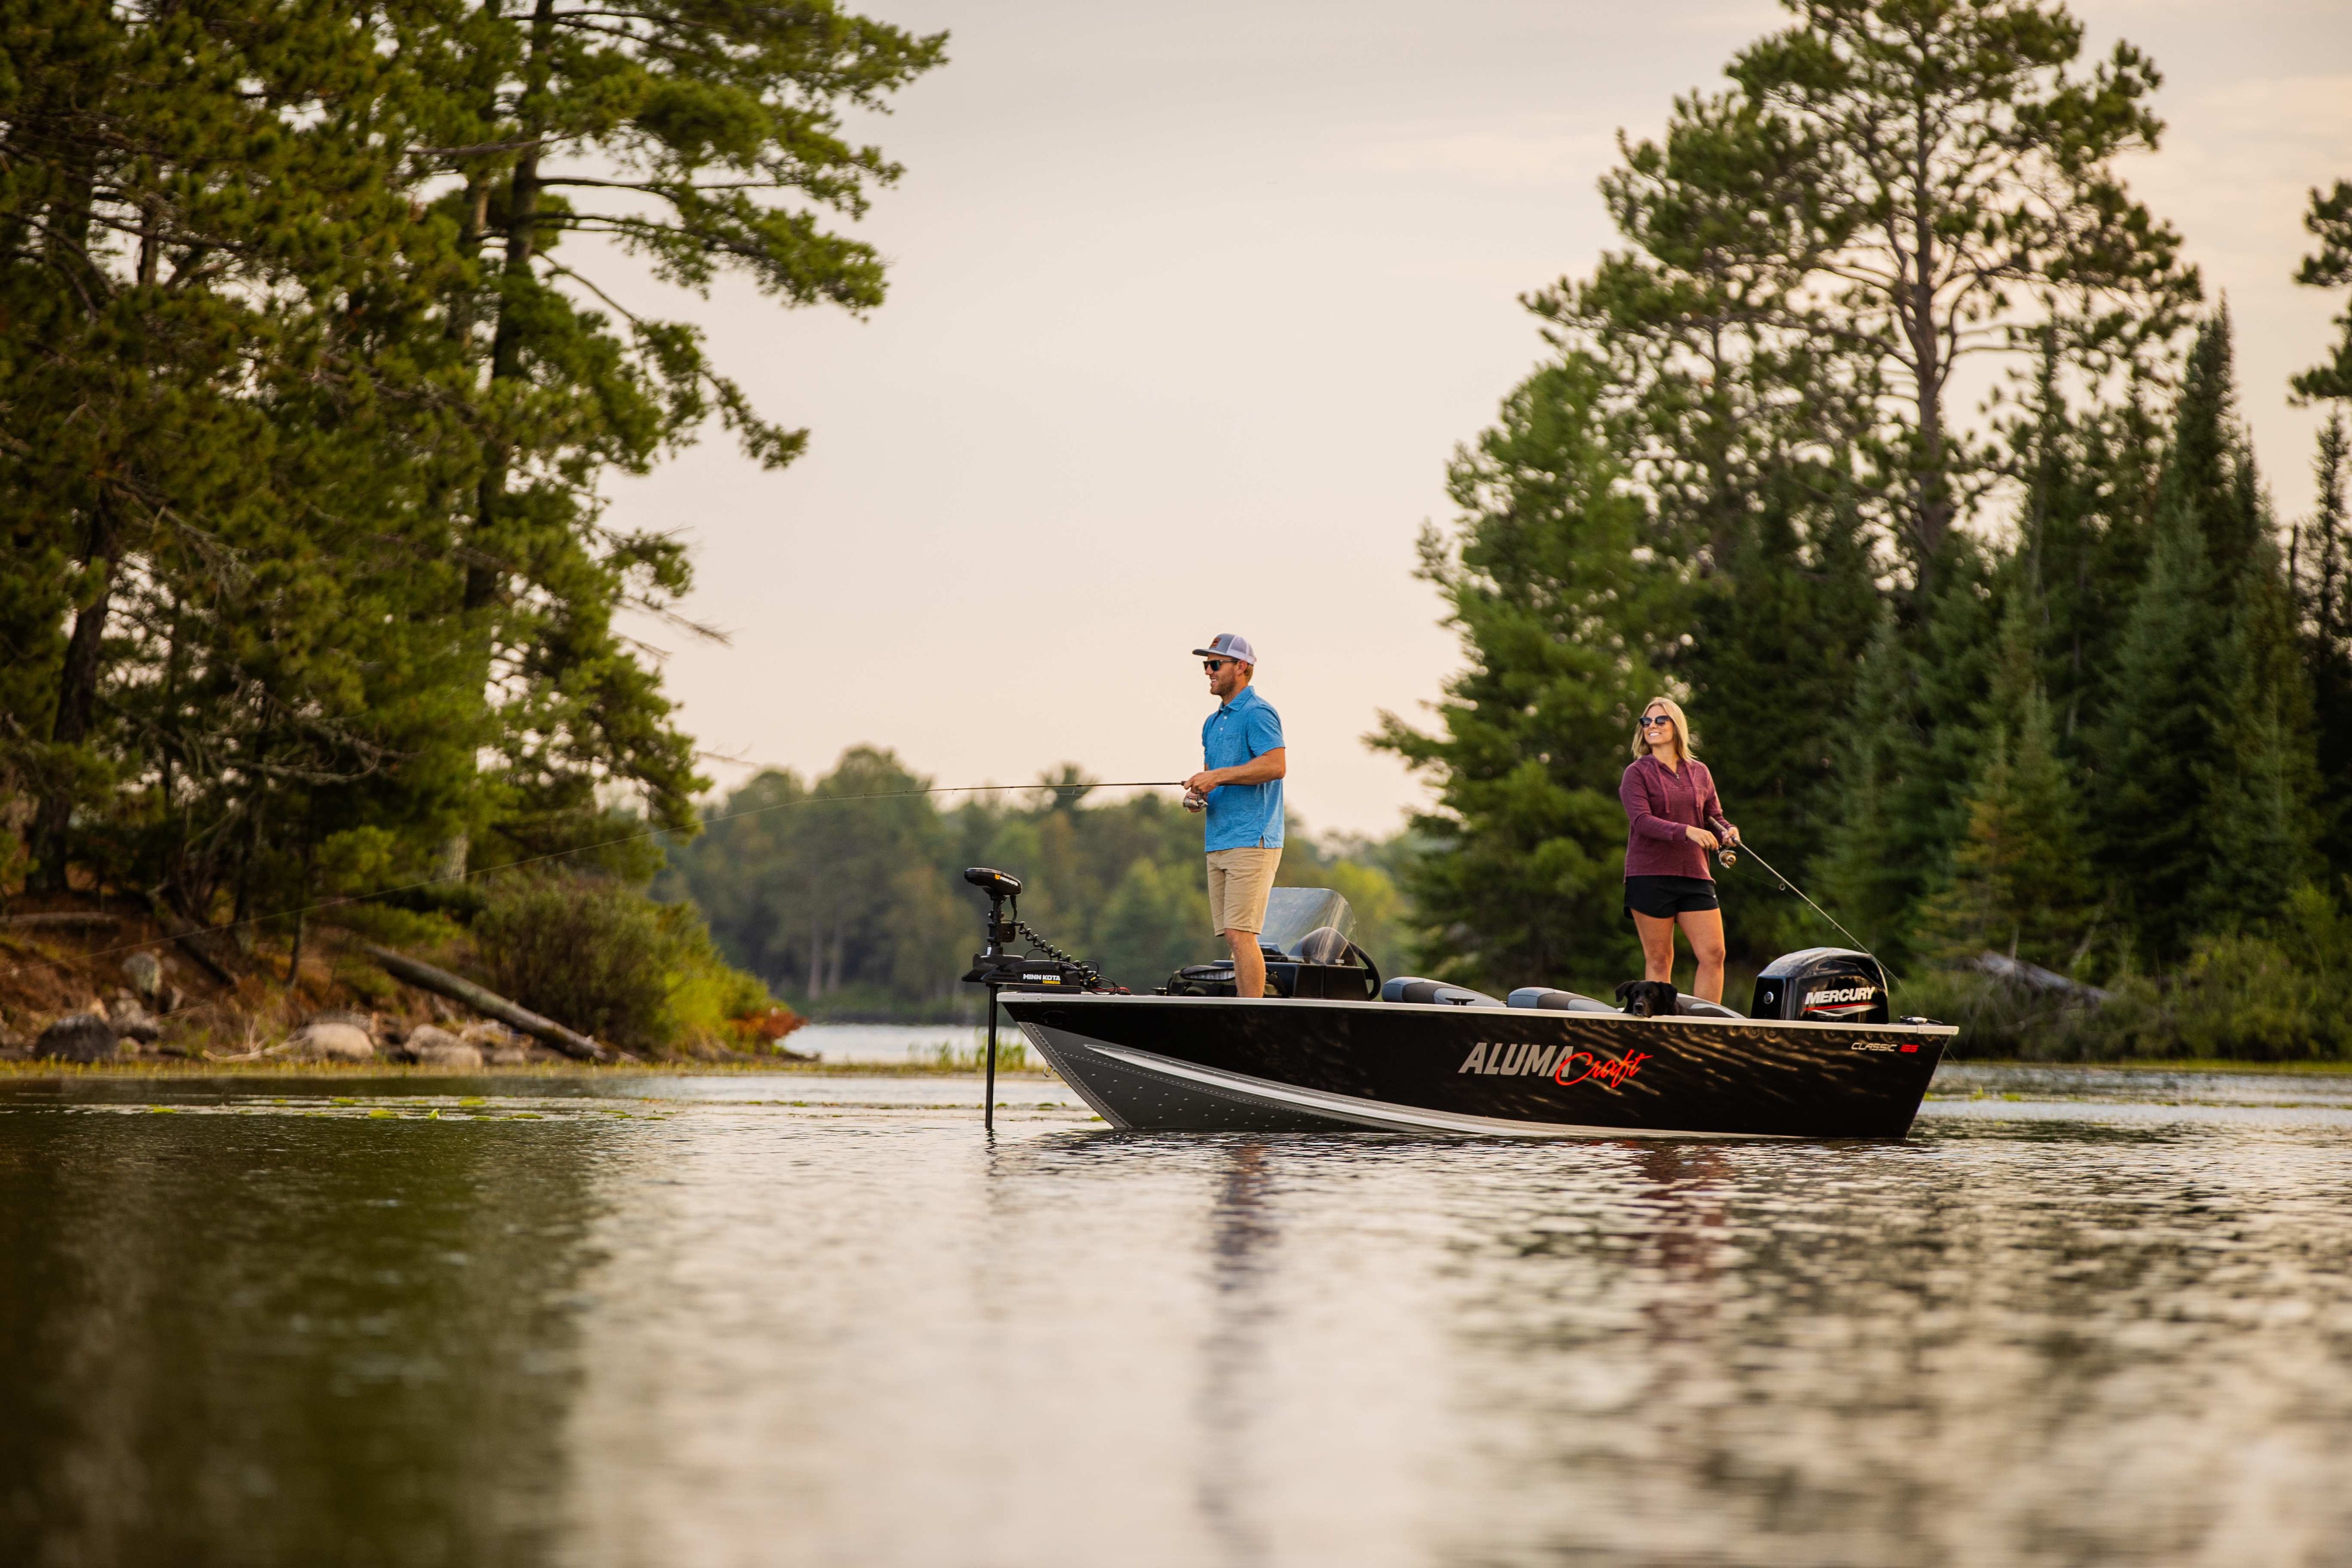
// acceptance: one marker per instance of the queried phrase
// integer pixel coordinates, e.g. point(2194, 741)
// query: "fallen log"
point(61, 920)
point(490, 1003)
point(2036, 978)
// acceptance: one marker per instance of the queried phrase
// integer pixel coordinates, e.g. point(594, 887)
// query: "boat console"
point(1309, 953)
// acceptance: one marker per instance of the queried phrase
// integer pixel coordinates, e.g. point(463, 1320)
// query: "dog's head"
point(1648, 998)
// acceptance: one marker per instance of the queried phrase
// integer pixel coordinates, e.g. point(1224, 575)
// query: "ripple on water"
point(795, 1320)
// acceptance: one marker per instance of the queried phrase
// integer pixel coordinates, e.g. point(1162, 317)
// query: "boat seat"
point(1552, 1001)
point(1693, 1007)
point(1413, 989)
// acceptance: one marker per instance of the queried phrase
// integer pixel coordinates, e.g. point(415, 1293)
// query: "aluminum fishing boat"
point(1334, 1048)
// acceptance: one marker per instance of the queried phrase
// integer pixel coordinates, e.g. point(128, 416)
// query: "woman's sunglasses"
point(1649, 720)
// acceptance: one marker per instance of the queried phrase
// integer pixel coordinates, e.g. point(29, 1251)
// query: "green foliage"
point(2322, 570)
point(854, 906)
point(2051, 682)
point(1565, 614)
point(602, 958)
point(305, 409)
point(2330, 267)
point(2020, 882)
point(1956, 193)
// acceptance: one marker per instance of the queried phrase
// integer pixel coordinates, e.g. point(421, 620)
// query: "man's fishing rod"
point(344, 900)
point(1728, 855)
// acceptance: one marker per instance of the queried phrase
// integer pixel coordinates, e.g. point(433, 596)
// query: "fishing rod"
point(350, 899)
point(1728, 855)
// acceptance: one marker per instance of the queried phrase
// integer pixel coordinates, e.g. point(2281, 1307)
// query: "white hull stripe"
point(1370, 1113)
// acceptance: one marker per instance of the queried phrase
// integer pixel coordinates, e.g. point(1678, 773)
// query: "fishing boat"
point(1333, 1047)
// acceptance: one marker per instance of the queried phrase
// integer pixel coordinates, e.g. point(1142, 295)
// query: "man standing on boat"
point(1241, 789)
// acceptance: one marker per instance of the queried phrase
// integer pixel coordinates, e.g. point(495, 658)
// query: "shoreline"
point(23, 1070)
point(31, 1071)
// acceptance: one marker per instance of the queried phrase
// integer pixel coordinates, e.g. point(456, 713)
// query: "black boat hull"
point(1222, 1064)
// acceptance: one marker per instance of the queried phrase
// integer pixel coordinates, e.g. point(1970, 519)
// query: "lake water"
point(2081, 1317)
point(846, 1044)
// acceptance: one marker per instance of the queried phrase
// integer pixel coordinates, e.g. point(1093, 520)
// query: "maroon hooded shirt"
point(1659, 804)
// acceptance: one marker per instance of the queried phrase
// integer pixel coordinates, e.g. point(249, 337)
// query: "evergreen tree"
point(1910, 747)
point(258, 379)
point(1962, 191)
point(2264, 778)
point(2021, 881)
point(1565, 617)
point(2208, 730)
point(2325, 552)
point(2330, 267)
point(1743, 420)
point(2161, 727)
point(2325, 557)
point(1874, 749)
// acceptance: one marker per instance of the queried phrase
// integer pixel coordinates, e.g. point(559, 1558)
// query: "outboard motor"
point(1824, 984)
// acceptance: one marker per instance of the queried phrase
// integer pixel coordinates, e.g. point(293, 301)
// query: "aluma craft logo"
point(1564, 1064)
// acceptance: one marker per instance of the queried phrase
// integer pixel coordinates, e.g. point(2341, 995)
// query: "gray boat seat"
point(1552, 1001)
point(1691, 1006)
point(1413, 989)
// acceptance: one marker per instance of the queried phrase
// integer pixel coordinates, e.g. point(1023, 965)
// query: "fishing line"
point(608, 843)
point(1728, 855)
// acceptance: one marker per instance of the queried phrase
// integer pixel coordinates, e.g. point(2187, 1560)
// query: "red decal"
point(1910, 1046)
point(1607, 1073)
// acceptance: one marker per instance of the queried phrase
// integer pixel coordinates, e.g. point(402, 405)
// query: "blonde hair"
point(1683, 742)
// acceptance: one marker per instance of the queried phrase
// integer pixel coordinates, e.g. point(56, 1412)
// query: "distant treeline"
point(2060, 681)
point(858, 908)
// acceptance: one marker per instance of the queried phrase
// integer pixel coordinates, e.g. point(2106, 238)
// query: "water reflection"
point(715, 1326)
point(315, 1342)
point(1243, 1237)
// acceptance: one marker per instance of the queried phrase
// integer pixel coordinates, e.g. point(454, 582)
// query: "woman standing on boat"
point(1673, 819)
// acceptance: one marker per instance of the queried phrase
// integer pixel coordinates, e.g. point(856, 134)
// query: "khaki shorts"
point(1239, 881)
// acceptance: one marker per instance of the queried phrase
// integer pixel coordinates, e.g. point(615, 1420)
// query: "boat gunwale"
point(1009, 995)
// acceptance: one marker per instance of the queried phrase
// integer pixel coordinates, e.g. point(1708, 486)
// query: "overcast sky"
point(1189, 306)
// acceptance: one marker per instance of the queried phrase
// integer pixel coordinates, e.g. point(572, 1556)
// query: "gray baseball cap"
point(1229, 644)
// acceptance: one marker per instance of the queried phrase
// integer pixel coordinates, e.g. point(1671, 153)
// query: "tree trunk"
point(521, 245)
point(78, 693)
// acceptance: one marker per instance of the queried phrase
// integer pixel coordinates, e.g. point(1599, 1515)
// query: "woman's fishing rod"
point(1728, 855)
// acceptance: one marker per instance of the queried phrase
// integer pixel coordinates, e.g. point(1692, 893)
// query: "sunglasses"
point(1649, 720)
point(1214, 665)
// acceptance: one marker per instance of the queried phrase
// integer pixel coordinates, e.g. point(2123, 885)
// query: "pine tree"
point(1564, 617)
point(2021, 881)
point(2325, 552)
point(2264, 777)
point(1962, 187)
point(2330, 267)
point(1910, 748)
point(1864, 872)
point(2162, 718)
point(2324, 559)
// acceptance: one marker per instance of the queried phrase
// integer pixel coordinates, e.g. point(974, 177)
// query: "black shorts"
point(1664, 897)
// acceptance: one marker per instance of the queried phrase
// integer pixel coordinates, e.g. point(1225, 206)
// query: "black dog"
point(1648, 998)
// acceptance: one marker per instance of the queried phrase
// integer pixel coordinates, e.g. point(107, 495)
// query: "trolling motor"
point(1048, 969)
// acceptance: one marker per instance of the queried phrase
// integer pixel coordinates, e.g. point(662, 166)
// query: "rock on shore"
point(323, 1041)
point(79, 1038)
point(435, 1047)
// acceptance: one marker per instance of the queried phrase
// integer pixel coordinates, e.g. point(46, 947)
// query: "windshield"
point(1292, 913)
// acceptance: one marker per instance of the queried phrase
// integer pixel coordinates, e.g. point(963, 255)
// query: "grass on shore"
point(183, 1068)
point(2167, 1064)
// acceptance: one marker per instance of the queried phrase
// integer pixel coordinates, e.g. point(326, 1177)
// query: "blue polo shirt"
point(1243, 816)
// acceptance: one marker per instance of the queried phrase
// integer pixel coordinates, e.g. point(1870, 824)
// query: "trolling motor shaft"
point(1049, 969)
